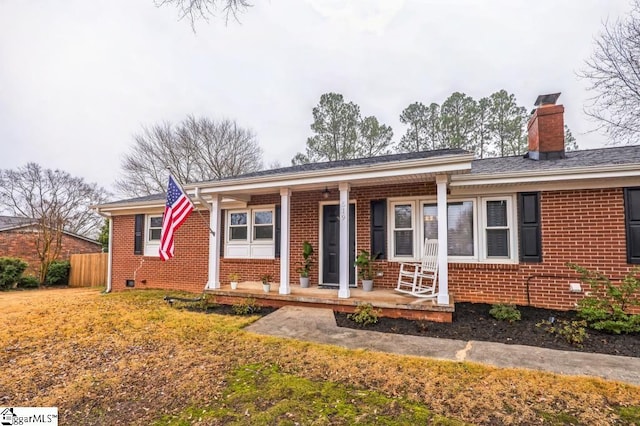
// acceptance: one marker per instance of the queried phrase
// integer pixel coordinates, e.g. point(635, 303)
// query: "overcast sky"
point(79, 77)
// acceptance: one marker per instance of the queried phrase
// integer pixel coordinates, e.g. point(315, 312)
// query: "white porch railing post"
point(443, 266)
point(285, 209)
point(214, 243)
point(344, 292)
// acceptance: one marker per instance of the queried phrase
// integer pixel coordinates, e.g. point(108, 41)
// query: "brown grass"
point(128, 358)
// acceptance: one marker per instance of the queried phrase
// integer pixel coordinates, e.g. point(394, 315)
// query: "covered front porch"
point(258, 224)
point(391, 303)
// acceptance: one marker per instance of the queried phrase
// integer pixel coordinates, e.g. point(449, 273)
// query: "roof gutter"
point(539, 176)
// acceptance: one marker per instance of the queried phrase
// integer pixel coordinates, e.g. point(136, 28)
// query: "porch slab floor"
point(391, 303)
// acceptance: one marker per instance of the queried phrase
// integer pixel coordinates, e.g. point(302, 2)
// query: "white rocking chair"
point(420, 279)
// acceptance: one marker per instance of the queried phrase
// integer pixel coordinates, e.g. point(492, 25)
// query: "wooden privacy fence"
point(88, 270)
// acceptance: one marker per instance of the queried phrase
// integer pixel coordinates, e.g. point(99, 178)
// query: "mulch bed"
point(471, 321)
point(227, 310)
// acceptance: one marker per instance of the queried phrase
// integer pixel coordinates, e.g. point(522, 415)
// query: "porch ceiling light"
point(325, 193)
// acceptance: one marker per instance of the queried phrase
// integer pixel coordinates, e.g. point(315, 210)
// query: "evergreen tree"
point(507, 123)
point(458, 121)
point(341, 133)
point(375, 138)
point(570, 143)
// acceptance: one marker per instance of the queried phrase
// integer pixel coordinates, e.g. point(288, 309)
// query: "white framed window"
point(263, 225)
point(238, 227)
point(402, 225)
point(479, 229)
point(250, 233)
point(497, 223)
point(152, 232)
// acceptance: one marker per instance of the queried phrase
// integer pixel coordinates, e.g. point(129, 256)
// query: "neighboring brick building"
point(18, 239)
point(512, 223)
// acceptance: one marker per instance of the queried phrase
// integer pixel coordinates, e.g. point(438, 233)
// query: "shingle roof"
point(574, 159)
point(161, 196)
point(13, 222)
point(10, 222)
point(302, 168)
point(350, 163)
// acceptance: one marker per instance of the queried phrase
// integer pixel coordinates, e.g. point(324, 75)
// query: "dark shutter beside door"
point(379, 228)
point(632, 223)
point(277, 231)
point(530, 227)
point(138, 245)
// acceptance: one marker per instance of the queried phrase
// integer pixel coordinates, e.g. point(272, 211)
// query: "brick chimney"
point(546, 129)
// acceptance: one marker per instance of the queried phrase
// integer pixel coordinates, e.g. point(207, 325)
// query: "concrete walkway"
point(319, 325)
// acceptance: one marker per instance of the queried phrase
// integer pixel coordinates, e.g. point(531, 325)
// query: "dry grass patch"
point(128, 358)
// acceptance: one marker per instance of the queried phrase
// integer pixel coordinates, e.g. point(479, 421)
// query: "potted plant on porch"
point(266, 282)
point(305, 265)
point(366, 269)
point(234, 278)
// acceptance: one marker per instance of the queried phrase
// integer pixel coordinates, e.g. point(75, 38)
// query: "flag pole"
point(191, 201)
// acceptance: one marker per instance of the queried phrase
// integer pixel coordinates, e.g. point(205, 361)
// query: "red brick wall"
point(584, 227)
point(21, 243)
point(186, 271)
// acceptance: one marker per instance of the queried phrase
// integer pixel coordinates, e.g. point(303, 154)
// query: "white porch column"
point(285, 209)
point(214, 243)
point(443, 266)
point(344, 292)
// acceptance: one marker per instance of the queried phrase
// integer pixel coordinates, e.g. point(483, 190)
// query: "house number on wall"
point(343, 211)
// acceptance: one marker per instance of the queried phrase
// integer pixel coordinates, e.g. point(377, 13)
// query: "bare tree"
point(56, 200)
point(194, 150)
point(614, 74)
point(202, 9)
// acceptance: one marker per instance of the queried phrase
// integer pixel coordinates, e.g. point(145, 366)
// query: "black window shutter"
point(632, 223)
point(379, 228)
point(277, 229)
point(530, 227)
point(138, 234)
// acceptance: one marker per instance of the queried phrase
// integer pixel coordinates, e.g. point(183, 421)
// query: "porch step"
point(391, 303)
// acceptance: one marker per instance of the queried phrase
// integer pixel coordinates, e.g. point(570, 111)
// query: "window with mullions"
point(263, 225)
point(250, 233)
point(497, 228)
point(155, 228)
point(459, 226)
point(238, 226)
point(403, 225)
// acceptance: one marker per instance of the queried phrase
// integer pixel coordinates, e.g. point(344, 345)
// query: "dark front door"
point(331, 244)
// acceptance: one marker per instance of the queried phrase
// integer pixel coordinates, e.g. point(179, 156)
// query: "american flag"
point(176, 211)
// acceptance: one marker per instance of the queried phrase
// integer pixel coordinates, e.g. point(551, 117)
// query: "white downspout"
point(110, 249)
point(110, 261)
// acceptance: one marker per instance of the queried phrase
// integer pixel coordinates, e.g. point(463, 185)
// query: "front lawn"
point(128, 358)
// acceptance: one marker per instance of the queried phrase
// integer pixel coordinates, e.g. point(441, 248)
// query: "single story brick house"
point(18, 237)
point(506, 227)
